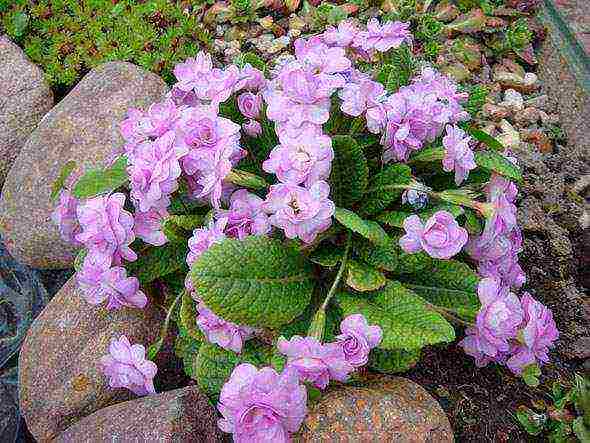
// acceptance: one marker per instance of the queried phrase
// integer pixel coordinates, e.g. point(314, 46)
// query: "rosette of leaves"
point(286, 287)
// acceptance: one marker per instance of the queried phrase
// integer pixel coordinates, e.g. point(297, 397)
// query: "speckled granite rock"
point(183, 415)
point(83, 127)
point(60, 380)
point(386, 410)
point(24, 100)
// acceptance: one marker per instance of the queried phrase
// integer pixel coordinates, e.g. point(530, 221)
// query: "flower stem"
point(340, 272)
point(154, 348)
point(449, 315)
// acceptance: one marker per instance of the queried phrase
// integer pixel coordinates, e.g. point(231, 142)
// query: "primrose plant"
point(300, 224)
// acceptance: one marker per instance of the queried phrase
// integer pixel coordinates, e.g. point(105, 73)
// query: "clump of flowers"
point(245, 193)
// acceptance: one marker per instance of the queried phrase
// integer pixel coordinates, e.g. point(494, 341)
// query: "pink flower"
point(458, 155)
point(154, 170)
point(203, 238)
point(64, 217)
point(250, 104)
point(221, 332)
point(261, 405)
point(302, 213)
point(194, 72)
point(140, 126)
point(315, 362)
point(127, 367)
point(441, 237)
point(307, 158)
point(496, 323)
point(342, 36)
point(245, 215)
point(537, 334)
point(148, 226)
point(250, 79)
point(357, 339)
point(383, 37)
point(213, 144)
point(99, 282)
point(252, 128)
point(107, 228)
point(319, 58)
point(358, 97)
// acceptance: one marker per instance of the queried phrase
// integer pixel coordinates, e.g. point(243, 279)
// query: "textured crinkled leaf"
point(257, 281)
point(411, 263)
point(393, 361)
point(393, 218)
point(363, 277)
point(367, 228)
point(472, 222)
point(406, 319)
point(187, 222)
point(381, 257)
point(79, 260)
point(59, 183)
point(449, 284)
point(159, 261)
point(101, 181)
point(496, 162)
point(187, 317)
point(350, 174)
point(428, 155)
point(382, 191)
point(327, 254)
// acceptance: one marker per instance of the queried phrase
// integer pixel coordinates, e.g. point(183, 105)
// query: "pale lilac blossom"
point(203, 238)
point(140, 126)
point(250, 104)
point(357, 339)
point(65, 218)
point(148, 226)
point(496, 323)
point(458, 155)
point(300, 212)
point(98, 281)
point(537, 335)
point(222, 332)
point(304, 159)
point(261, 405)
point(319, 58)
point(359, 97)
point(384, 37)
point(441, 236)
point(315, 362)
point(342, 36)
point(245, 215)
point(107, 228)
point(250, 79)
point(126, 367)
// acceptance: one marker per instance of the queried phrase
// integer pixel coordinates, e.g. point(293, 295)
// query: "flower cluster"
point(509, 331)
point(497, 248)
point(261, 405)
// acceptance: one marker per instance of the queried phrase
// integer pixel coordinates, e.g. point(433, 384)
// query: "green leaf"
point(411, 263)
point(350, 174)
point(158, 262)
point(394, 361)
point(532, 422)
point(485, 138)
point(186, 222)
point(381, 257)
point(393, 218)
point(495, 162)
point(246, 179)
point(256, 281)
point(449, 284)
point(581, 430)
point(531, 374)
point(79, 260)
point(405, 318)
point(363, 277)
point(383, 189)
point(101, 181)
point(367, 228)
point(187, 317)
point(472, 222)
point(327, 254)
point(59, 183)
point(428, 155)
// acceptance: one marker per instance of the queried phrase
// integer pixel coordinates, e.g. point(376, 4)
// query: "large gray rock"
point(59, 375)
point(83, 127)
point(24, 99)
point(180, 416)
